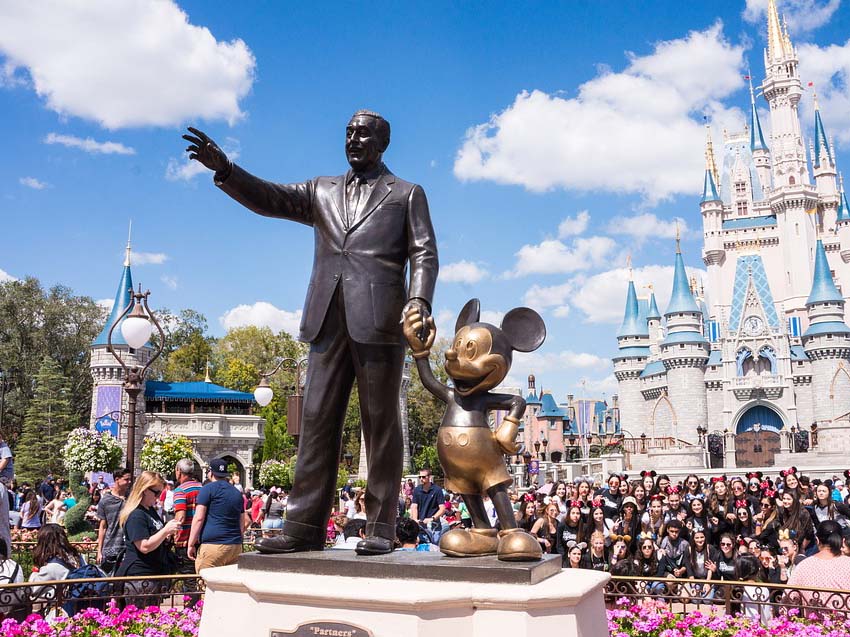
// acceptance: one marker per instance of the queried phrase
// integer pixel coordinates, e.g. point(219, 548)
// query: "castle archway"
point(757, 434)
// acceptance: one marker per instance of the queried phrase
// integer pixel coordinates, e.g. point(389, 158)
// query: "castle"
point(767, 352)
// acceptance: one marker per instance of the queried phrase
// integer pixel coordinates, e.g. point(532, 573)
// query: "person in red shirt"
point(184, 510)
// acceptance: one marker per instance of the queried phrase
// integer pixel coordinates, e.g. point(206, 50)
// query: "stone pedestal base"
point(442, 598)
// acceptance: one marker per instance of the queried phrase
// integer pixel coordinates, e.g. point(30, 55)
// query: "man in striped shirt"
point(184, 510)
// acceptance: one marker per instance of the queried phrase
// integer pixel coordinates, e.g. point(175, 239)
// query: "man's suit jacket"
point(368, 259)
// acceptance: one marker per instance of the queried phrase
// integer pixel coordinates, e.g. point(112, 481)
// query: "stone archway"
point(839, 385)
point(757, 434)
point(664, 402)
point(233, 459)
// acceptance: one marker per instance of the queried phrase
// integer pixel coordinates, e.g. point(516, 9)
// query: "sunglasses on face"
point(726, 544)
point(156, 492)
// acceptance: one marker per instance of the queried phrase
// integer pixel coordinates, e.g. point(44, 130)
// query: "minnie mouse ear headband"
point(586, 479)
point(742, 504)
point(572, 544)
point(716, 479)
point(648, 473)
point(620, 538)
point(789, 471)
point(596, 503)
point(673, 489)
point(754, 475)
point(575, 504)
point(656, 496)
point(769, 493)
point(787, 534)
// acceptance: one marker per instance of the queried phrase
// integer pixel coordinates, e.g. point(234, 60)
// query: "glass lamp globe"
point(136, 331)
point(263, 395)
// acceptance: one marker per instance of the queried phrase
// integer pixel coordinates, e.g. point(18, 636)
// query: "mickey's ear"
point(524, 328)
point(470, 313)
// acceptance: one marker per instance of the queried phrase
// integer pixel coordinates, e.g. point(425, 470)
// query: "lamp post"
point(536, 448)
point(526, 458)
point(263, 394)
point(137, 323)
point(643, 442)
point(545, 444)
point(348, 460)
point(757, 430)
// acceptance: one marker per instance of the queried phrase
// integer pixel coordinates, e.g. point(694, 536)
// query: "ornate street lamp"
point(545, 445)
point(348, 460)
point(264, 394)
point(526, 458)
point(137, 323)
point(757, 430)
point(643, 442)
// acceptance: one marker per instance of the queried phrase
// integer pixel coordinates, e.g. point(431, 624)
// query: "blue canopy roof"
point(122, 300)
point(632, 352)
point(681, 298)
point(709, 189)
point(160, 390)
point(821, 143)
point(549, 409)
point(823, 287)
point(653, 369)
point(827, 327)
point(684, 337)
point(749, 222)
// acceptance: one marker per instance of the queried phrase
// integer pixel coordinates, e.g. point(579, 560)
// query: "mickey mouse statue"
point(471, 454)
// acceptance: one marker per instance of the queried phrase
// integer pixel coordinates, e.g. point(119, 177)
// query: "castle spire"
point(653, 312)
point(123, 298)
point(822, 149)
point(127, 253)
point(843, 213)
point(777, 37)
point(756, 135)
point(823, 286)
point(681, 298)
point(631, 318)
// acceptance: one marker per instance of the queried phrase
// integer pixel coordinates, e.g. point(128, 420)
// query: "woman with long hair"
point(561, 495)
point(647, 556)
point(827, 568)
point(648, 480)
point(145, 535)
point(598, 522)
point(723, 567)
point(619, 550)
point(794, 518)
point(720, 506)
point(629, 522)
point(828, 509)
point(526, 516)
point(790, 481)
point(53, 557)
point(570, 528)
point(545, 529)
point(701, 554)
point(596, 558)
point(640, 495)
point(744, 527)
point(31, 511)
point(272, 517)
point(692, 488)
point(653, 518)
point(574, 552)
point(768, 520)
point(697, 519)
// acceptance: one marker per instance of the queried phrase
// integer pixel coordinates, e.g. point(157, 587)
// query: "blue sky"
point(552, 139)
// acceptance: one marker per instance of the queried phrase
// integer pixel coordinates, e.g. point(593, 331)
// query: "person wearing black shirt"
point(145, 535)
point(428, 505)
point(724, 567)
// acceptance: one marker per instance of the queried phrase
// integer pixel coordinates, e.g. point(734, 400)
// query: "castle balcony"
point(768, 386)
point(208, 426)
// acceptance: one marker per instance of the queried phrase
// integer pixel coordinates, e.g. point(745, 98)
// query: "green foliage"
point(48, 421)
point(88, 450)
point(424, 411)
point(427, 459)
point(274, 473)
point(189, 362)
point(75, 521)
point(161, 451)
point(35, 323)
point(186, 348)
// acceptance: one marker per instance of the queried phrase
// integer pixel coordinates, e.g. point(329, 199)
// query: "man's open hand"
point(206, 151)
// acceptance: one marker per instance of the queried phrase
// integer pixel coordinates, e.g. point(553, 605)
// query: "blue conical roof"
point(681, 299)
point(653, 308)
point(709, 189)
point(122, 300)
point(756, 136)
point(631, 319)
point(823, 287)
point(821, 143)
point(843, 209)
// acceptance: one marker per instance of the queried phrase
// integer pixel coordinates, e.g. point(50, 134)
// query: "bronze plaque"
point(324, 629)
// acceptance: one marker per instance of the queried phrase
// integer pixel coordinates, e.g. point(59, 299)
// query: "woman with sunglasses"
point(768, 521)
point(744, 526)
point(723, 567)
point(692, 488)
point(145, 535)
point(647, 557)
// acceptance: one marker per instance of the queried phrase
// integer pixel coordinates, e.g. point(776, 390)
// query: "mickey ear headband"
point(789, 471)
point(656, 496)
point(673, 489)
point(754, 475)
point(572, 544)
point(717, 479)
point(651, 473)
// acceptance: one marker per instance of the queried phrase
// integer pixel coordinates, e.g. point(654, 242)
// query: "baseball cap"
point(218, 467)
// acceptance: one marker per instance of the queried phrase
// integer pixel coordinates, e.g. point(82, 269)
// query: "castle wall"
point(633, 411)
point(686, 389)
point(714, 408)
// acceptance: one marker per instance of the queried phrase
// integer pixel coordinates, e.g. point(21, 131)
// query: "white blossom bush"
point(89, 450)
point(161, 451)
point(274, 473)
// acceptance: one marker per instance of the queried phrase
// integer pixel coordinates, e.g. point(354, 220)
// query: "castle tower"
point(711, 208)
point(109, 401)
point(826, 341)
point(684, 353)
point(823, 170)
point(759, 149)
point(633, 344)
point(842, 221)
point(656, 332)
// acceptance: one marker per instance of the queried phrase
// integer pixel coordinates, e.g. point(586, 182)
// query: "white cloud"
point(106, 304)
point(462, 272)
point(185, 169)
point(647, 226)
point(124, 63)
point(32, 182)
point(562, 311)
point(89, 145)
point(602, 297)
point(5, 276)
point(539, 297)
point(539, 363)
point(170, 281)
point(148, 258)
point(573, 225)
point(636, 131)
point(803, 15)
point(829, 68)
point(553, 256)
point(262, 314)
point(594, 388)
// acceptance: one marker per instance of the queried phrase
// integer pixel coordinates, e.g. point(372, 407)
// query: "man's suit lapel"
point(383, 187)
point(339, 200)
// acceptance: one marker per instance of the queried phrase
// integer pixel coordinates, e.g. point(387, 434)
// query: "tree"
point(187, 347)
point(35, 323)
point(424, 410)
point(189, 362)
point(46, 426)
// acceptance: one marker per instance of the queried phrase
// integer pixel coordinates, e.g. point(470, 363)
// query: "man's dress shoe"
point(374, 545)
point(286, 544)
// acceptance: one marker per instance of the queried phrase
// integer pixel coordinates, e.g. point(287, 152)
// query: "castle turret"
point(711, 207)
point(633, 343)
point(842, 221)
point(823, 170)
point(109, 401)
point(653, 320)
point(758, 147)
point(827, 340)
point(684, 353)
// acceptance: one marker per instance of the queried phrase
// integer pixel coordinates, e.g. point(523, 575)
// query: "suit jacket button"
point(345, 253)
point(336, 276)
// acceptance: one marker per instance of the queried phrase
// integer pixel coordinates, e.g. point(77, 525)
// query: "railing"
point(765, 380)
point(770, 600)
point(47, 598)
point(642, 445)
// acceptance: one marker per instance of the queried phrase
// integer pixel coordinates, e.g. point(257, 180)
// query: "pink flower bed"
point(654, 619)
point(113, 622)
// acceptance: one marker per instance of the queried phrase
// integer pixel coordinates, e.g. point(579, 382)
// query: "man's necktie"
point(357, 187)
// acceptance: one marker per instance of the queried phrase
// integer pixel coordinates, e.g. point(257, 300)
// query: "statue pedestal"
point(405, 593)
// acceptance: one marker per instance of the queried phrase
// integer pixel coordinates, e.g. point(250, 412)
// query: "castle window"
point(681, 346)
point(791, 180)
point(741, 206)
point(829, 337)
point(797, 228)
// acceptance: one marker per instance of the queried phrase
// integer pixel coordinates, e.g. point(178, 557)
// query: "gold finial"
point(127, 252)
point(775, 35)
point(207, 378)
point(814, 96)
point(710, 163)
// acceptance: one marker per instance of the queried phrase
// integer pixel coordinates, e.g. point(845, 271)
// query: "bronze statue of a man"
point(369, 226)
